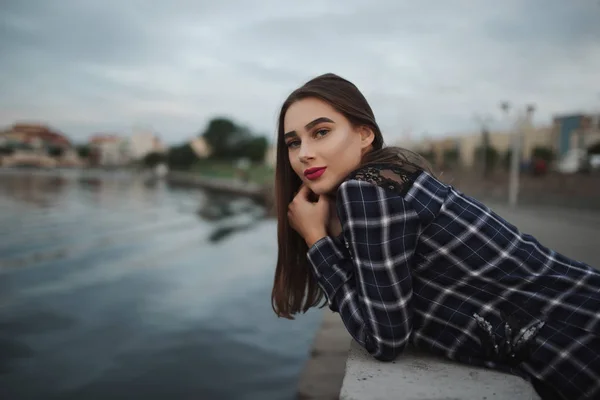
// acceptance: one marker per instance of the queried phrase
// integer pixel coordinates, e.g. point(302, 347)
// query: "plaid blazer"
point(419, 262)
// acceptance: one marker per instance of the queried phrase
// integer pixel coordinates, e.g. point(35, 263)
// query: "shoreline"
point(324, 371)
point(262, 194)
point(492, 192)
point(569, 192)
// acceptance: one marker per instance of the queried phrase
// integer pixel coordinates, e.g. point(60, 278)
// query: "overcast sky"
point(426, 66)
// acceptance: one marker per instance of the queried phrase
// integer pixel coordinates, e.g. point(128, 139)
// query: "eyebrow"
point(308, 126)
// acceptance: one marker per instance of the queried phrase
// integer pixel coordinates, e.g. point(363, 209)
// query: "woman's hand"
point(309, 218)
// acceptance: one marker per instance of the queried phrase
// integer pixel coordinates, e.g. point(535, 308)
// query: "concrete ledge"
point(419, 376)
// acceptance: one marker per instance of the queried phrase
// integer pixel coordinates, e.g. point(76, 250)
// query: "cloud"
point(85, 66)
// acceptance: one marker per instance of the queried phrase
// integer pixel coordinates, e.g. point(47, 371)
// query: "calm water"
point(112, 288)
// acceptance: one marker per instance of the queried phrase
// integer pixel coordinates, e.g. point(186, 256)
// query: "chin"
point(320, 188)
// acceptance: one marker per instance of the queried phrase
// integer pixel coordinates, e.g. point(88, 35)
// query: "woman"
point(404, 258)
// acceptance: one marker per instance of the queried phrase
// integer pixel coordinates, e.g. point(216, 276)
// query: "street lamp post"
point(517, 138)
point(513, 183)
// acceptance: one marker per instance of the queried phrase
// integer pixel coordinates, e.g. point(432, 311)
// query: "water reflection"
point(12, 330)
point(230, 215)
point(10, 350)
point(36, 190)
point(110, 287)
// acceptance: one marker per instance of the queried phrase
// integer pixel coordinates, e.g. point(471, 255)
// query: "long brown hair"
point(294, 288)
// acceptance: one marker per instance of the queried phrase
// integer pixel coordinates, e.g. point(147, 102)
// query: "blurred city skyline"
point(85, 67)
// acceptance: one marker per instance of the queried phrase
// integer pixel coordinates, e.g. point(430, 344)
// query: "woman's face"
point(323, 146)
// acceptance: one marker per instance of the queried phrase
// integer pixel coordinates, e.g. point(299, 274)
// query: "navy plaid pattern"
point(432, 267)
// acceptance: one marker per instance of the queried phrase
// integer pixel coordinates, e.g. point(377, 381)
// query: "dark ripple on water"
point(110, 288)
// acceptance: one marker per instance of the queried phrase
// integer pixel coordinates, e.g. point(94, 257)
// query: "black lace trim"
point(397, 179)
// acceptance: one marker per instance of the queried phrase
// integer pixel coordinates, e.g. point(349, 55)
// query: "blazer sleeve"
point(369, 284)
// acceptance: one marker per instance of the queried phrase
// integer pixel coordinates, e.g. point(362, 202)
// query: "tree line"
point(227, 141)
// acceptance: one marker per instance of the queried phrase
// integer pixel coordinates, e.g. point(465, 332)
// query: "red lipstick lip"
point(311, 171)
point(314, 173)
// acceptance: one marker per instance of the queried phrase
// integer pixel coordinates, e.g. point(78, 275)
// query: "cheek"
point(296, 165)
point(346, 151)
point(346, 161)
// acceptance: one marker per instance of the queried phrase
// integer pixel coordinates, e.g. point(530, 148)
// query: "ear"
point(367, 136)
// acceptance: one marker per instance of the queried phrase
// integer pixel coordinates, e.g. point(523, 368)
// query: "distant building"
point(200, 147)
point(576, 131)
point(143, 143)
point(35, 136)
point(36, 145)
point(109, 150)
point(466, 144)
point(567, 132)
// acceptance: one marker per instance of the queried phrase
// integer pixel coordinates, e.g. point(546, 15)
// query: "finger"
point(304, 194)
point(304, 191)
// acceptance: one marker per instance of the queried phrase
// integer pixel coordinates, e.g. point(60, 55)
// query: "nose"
point(305, 154)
